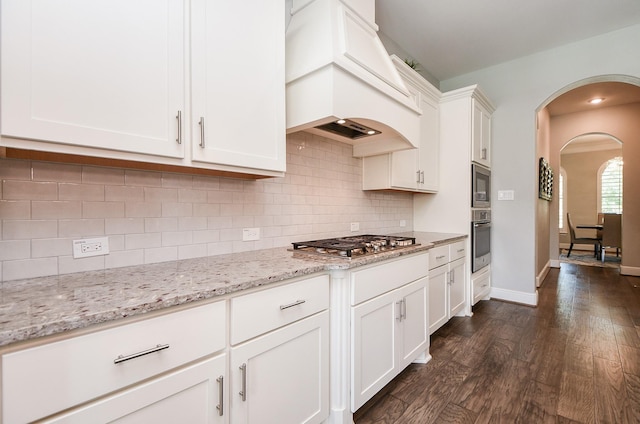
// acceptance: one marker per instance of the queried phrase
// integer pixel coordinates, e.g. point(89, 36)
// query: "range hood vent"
point(349, 129)
point(338, 70)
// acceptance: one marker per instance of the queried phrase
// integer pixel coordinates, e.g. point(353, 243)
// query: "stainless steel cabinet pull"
point(484, 153)
point(417, 176)
point(461, 250)
point(291, 305)
point(422, 177)
point(399, 310)
point(403, 309)
point(201, 123)
point(440, 257)
point(179, 118)
point(220, 405)
point(243, 392)
point(157, 348)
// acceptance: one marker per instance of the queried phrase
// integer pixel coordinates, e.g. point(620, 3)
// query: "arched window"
point(562, 200)
point(610, 186)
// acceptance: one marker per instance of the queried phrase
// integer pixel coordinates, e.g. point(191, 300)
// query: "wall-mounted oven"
point(480, 239)
point(480, 186)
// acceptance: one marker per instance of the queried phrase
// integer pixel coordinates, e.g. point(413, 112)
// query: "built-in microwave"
point(480, 186)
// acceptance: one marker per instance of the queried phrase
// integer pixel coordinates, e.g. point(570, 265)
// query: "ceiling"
point(454, 37)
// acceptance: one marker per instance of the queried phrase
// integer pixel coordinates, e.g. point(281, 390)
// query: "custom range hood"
point(341, 83)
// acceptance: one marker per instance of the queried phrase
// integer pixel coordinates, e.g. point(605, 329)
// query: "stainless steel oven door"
point(480, 245)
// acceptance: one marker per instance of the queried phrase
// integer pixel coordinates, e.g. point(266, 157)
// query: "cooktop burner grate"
point(354, 245)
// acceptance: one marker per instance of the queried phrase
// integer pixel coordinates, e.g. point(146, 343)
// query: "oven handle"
point(482, 224)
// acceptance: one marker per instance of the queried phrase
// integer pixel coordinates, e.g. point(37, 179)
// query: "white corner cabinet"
point(447, 283)
point(389, 323)
point(82, 80)
point(261, 357)
point(416, 170)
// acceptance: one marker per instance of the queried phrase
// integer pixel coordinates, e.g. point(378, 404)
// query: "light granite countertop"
point(45, 306)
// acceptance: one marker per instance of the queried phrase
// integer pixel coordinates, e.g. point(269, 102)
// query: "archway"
point(617, 119)
point(582, 160)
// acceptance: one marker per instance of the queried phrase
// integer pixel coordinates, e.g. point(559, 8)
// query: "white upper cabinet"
point(144, 81)
point(106, 74)
point(417, 169)
point(238, 83)
point(481, 135)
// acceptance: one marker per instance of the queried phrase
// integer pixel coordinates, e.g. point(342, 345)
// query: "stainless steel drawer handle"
point(157, 348)
point(291, 305)
point(461, 250)
point(220, 405)
point(243, 392)
point(440, 257)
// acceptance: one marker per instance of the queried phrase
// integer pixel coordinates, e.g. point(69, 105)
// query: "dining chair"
point(611, 233)
point(581, 240)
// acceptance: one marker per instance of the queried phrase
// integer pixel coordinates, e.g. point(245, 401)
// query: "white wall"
point(517, 89)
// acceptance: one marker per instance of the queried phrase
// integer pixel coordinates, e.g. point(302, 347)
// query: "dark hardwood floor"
point(573, 359)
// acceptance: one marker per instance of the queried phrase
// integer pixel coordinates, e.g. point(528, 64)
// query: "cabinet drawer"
point(457, 250)
point(377, 279)
point(257, 313)
point(438, 256)
point(39, 381)
point(481, 285)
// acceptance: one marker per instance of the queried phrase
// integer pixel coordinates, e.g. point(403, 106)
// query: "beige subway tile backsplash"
point(154, 216)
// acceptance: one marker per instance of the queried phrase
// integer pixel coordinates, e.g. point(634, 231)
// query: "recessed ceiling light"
point(596, 100)
point(341, 121)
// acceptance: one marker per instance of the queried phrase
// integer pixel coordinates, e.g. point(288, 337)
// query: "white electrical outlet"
point(90, 247)
point(505, 194)
point(355, 226)
point(250, 234)
point(403, 223)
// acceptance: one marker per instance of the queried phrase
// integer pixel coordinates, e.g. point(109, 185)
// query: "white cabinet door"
point(238, 83)
point(415, 335)
point(389, 332)
point(282, 377)
point(105, 73)
point(429, 152)
point(481, 136)
point(405, 171)
point(457, 286)
point(373, 350)
point(438, 301)
point(191, 395)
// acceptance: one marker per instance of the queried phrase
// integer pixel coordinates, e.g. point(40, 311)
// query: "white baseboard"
point(530, 299)
point(630, 270)
point(541, 276)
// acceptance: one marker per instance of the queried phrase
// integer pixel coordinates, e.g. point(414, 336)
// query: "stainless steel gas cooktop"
point(354, 245)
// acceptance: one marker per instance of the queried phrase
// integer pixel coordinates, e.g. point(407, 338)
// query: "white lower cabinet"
point(389, 331)
point(194, 395)
point(279, 360)
point(43, 380)
point(447, 283)
point(438, 305)
point(283, 376)
point(481, 284)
